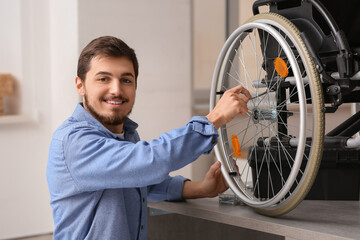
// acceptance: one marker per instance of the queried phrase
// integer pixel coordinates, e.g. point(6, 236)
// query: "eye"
point(102, 79)
point(127, 80)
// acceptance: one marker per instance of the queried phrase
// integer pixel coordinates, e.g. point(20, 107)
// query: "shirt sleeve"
point(97, 162)
point(168, 190)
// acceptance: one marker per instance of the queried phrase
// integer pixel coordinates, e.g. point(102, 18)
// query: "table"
point(312, 219)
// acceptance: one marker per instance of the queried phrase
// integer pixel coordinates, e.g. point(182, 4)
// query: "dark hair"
point(106, 46)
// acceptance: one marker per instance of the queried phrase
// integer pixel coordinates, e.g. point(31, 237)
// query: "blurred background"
point(177, 43)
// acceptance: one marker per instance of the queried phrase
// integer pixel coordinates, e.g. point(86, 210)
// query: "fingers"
point(243, 96)
point(243, 109)
point(223, 184)
point(214, 168)
point(241, 102)
point(240, 89)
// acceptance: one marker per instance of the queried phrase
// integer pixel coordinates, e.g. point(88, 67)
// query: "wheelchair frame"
point(337, 63)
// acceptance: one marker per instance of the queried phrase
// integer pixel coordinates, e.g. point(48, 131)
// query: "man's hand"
point(232, 103)
point(213, 184)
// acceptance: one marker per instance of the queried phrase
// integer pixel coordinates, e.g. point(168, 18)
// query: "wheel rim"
point(266, 114)
point(315, 118)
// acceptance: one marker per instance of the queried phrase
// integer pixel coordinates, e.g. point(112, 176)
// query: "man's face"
point(109, 90)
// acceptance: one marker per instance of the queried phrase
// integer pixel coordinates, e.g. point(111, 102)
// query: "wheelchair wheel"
point(271, 155)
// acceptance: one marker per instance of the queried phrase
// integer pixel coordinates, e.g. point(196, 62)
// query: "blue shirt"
point(99, 183)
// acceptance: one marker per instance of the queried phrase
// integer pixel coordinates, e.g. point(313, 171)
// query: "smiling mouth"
point(115, 101)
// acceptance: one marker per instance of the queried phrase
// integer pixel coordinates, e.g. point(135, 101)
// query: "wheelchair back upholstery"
point(347, 16)
point(302, 13)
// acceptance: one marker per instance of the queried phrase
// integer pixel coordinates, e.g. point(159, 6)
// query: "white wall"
point(64, 52)
point(10, 62)
point(39, 47)
point(208, 37)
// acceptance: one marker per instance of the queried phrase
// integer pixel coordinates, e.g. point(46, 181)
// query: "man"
point(100, 174)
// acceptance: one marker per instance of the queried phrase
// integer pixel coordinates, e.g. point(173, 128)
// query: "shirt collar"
point(81, 114)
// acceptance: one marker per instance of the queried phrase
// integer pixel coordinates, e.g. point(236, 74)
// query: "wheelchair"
point(298, 64)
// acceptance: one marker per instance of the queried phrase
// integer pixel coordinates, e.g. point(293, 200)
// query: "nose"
point(115, 87)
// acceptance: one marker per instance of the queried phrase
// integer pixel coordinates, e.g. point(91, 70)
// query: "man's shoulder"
point(69, 125)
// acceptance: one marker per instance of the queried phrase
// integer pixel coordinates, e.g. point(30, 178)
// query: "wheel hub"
point(259, 114)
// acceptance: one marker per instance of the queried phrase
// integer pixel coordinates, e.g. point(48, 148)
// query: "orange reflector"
point(236, 145)
point(281, 67)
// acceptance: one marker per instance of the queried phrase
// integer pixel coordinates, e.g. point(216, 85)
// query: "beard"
point(113, 120)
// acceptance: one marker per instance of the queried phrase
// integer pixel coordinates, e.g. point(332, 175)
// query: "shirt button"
point(142, 227)
point(143, 199)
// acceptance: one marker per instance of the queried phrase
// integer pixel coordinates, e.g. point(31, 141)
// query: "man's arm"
point(232, 103)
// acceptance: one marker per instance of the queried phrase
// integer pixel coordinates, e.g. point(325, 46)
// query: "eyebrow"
point(110, 74)
point(103, 73)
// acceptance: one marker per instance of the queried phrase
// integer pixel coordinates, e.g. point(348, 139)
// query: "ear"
point(80, 88)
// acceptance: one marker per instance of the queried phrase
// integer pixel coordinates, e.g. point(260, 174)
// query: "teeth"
point(114, 102)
